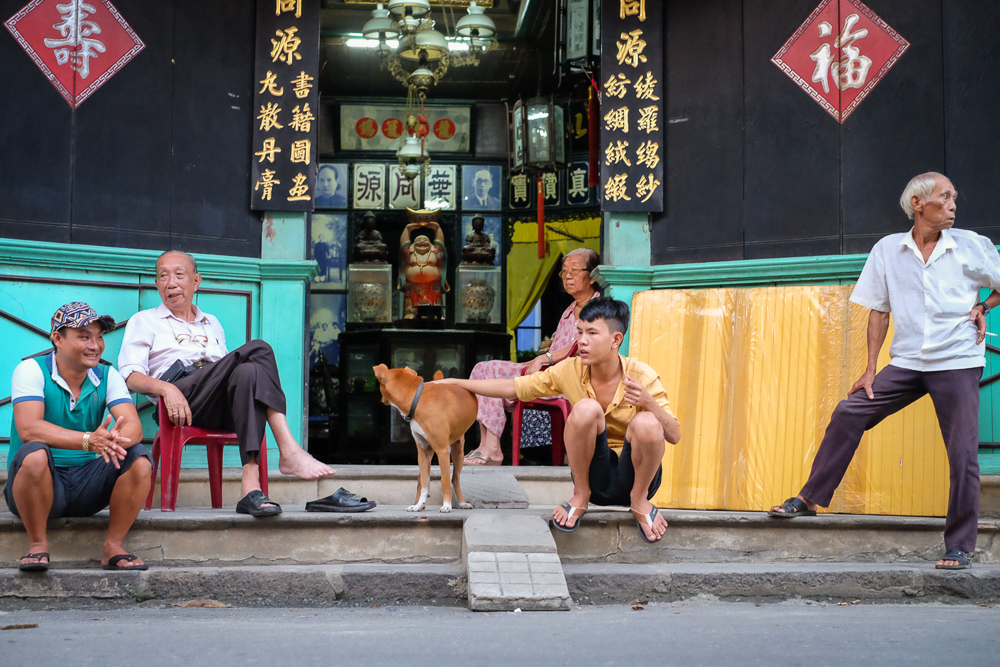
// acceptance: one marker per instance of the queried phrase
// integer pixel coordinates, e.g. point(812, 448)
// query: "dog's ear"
point(409, 370)
point(380, 371)
point(438, 375)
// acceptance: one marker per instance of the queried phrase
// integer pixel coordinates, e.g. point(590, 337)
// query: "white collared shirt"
point(151, 345)
point(930, 302)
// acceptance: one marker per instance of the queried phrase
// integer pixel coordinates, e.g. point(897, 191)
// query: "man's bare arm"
point(878, 327)
point(491, 388)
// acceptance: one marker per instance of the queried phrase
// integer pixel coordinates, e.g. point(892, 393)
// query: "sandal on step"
point(649, 519)
point(476, 458)
point(792, 508)
point(35, 567)
point(960, 557)
point(130, 558)
point(570, 513)
point(253, 504)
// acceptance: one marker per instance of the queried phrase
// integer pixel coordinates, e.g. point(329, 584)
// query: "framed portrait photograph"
point(331, 185)
point(328, 246)
point(481, 187)
point(327, 318)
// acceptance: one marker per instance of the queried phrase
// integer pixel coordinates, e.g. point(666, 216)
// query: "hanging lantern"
point(539, 136)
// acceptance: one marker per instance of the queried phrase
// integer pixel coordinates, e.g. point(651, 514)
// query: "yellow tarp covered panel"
point(753, 376)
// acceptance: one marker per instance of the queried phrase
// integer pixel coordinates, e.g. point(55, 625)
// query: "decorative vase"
point(477, 300)
point(369, 300)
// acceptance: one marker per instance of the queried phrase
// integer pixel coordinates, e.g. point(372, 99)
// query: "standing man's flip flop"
point(570, 513)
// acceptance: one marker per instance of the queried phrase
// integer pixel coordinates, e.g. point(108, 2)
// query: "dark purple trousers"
point(956, 401)
point(234, 393)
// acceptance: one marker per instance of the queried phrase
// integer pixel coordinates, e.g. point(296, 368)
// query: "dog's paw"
point(415, 508)
point(465, 506)
point(445, 509)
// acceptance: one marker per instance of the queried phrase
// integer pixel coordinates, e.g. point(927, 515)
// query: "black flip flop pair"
point(112, 564)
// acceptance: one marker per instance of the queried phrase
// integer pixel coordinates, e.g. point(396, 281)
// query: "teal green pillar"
point(626, 258)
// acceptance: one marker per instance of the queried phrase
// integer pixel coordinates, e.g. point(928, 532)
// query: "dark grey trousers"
point(234, 393)
point(956, 400)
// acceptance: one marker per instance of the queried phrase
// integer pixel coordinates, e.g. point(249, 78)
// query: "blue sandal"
point(792, 508)
point(960, 557)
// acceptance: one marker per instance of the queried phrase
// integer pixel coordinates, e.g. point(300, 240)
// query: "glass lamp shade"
point(415, 8)
point(429, 44)
point(421, 79)
point(412, 158)
point(380, 28)
point(476, 24)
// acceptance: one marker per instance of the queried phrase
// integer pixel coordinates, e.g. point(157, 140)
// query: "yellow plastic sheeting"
point(753, 376)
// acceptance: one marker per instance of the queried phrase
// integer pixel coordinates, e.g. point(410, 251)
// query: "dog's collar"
point(416, 399)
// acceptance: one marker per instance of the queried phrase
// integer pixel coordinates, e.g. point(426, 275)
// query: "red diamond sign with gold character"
point(78, 44)
point(839, 54)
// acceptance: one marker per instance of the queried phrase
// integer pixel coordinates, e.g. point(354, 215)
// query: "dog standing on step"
point(439, 416)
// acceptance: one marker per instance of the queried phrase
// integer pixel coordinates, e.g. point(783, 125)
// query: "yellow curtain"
point(753, 376)
point(528, 275)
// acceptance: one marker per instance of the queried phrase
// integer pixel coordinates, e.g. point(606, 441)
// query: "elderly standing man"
point(66, 458)
point(178, 353)
point(929, 279)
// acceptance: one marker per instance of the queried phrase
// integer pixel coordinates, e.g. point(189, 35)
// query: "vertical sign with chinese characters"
point(632, 106)
point(286, 69)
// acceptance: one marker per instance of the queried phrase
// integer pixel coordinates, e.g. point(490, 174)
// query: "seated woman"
point(575, 274)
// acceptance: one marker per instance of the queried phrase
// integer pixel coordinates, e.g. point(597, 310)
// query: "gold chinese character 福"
point(647, 120)
point(633, 8)
point(630, 51)
point(268, 181)
point(270, 83)
point(298, 191)
point(268, 151)
point(648, 154)
point(617, 119)
point(302, 85)
point(646, 186)
point(302, 120)
point(645, 86)
point(285, 6)
point(269, 117)
point(301, 150)
point(286, 47)
point(616, 86)
point(617, 152)
point(616, 188)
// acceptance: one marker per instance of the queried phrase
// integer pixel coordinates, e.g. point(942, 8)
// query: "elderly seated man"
point(177, 353)
point(65, 457)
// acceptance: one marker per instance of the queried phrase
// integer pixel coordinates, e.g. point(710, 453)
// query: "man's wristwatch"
point(986, 309)
point(549, 355)
point(86, 442)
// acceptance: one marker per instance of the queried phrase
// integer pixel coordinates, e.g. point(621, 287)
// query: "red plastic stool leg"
point(214, 454)
point(152, 480)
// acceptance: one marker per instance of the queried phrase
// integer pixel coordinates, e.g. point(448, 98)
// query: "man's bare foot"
point(578, 505)
point(641, 510)
point(303, 466)
point(481, 457)
point(946, 563)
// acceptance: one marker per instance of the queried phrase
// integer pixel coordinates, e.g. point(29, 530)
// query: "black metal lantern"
point(539, 136)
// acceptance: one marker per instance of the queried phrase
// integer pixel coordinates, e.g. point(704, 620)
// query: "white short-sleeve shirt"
point(154, 339)
point(28, 384)
point(930, 302)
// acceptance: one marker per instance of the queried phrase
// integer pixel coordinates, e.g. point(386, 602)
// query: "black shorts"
point(79, 490)
point(612, 476)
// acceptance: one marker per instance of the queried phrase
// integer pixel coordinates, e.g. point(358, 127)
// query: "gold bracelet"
point(86, 441)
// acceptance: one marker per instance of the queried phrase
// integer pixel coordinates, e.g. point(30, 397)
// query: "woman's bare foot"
point(481, 457)
point(303, 466)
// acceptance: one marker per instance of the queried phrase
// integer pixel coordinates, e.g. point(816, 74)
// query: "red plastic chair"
point(558, 409)
point(169, 443)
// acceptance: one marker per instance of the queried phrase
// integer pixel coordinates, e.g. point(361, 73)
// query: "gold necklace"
point(426, 257)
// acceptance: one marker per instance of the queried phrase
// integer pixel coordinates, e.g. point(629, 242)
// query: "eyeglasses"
point(572, 273)
point(189, 339)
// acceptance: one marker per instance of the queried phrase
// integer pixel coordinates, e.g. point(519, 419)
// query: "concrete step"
point(319, 585)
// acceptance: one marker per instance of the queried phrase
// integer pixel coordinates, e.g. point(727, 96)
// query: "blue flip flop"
point(570, 512)
point(650, 518)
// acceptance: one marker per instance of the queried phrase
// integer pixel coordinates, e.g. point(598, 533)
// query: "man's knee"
point(141, 467)
point(258, 346)
point(586, 412)
point(244, 373)
point(35, 466)
point(645, 429)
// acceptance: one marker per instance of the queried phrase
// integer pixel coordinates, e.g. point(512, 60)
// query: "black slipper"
point(114, 560)
point(253, 504)
point(341, 501)
point(792, 507)
point(962, 558)
point(34, 567)
point(570, 513)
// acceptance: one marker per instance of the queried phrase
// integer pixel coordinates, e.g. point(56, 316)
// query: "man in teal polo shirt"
point(65, 457)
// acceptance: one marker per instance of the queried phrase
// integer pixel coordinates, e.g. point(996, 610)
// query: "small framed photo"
point(331, 185)
point(327, 318)
point(328, 246)
point(481, 187)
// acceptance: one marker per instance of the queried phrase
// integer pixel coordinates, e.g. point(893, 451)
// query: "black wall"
point(157, 158)
point(757, 169)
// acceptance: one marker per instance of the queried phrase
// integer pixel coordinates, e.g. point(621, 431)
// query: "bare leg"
point(585, 423)
point(456, 461)
point(646, 437)
point(33, 496)
point(126, 501)
point(488, 451)
point(292, 460)
point(251, 480)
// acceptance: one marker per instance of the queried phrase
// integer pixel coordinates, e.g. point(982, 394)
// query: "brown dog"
point(442, 415)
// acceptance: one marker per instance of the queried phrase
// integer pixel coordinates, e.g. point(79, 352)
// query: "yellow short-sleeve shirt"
point(572, 379)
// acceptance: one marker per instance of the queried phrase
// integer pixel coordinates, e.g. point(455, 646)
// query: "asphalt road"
point(689, 633)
